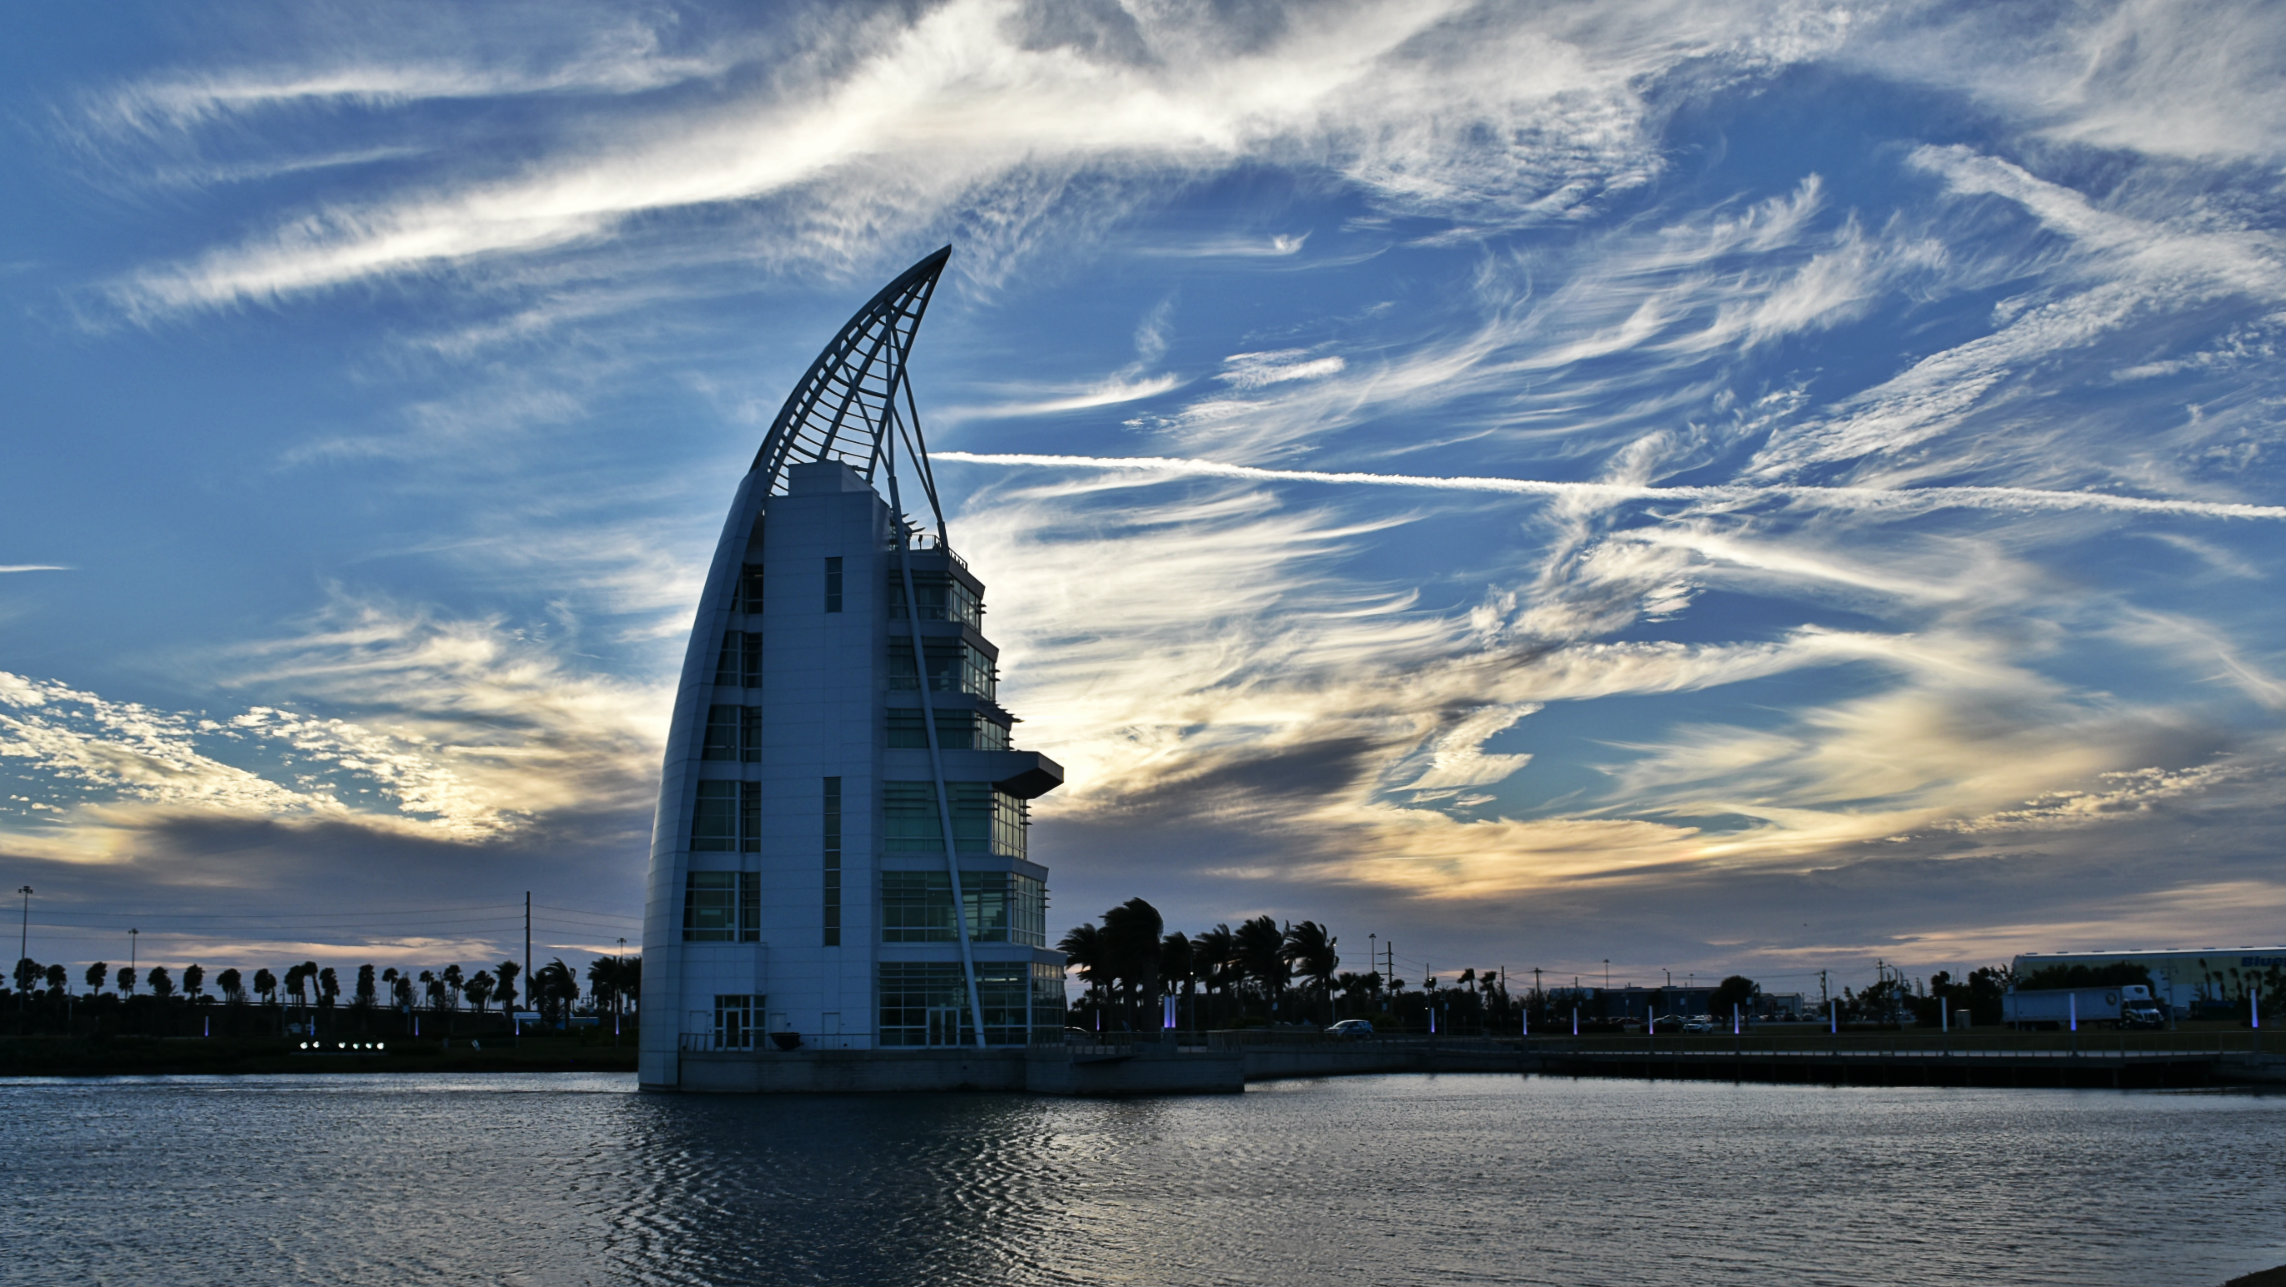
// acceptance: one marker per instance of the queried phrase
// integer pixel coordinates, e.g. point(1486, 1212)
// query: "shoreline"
point(257, 1056)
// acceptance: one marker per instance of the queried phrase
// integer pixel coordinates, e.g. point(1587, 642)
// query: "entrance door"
point(944, 1025)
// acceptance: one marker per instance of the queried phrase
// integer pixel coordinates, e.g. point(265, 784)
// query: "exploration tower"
point(839, 860)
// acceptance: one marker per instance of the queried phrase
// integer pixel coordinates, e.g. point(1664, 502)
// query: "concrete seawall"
point(1087, 1071)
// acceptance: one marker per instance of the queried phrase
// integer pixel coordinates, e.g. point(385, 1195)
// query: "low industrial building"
point(2184, 979)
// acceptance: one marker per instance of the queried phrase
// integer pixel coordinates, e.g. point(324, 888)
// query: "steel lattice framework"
point(846, 406)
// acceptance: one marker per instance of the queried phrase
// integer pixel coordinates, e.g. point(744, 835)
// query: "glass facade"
point(985, 820)
point(925, 1003)
point(832, 907)
point(740, 664)
point(727, 818)
point(942, 598)
point(733, 733)
point(1003, 907)
point(955, 666)
point(746, 593)
point(956, 731)
point(722, 907)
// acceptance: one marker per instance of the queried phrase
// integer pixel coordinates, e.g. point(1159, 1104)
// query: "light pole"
point(24, 937)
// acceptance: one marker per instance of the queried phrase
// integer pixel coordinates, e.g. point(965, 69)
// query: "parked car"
point(1351, 1028)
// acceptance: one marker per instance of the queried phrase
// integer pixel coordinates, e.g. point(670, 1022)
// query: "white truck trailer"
point(2128, 1005)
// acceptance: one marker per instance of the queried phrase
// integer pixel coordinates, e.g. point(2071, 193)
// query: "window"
point(734, 1022)
point(728, 818)
point(955, 666)
point(710, 907)
point(740, 665)
point(925, 1003)
point(942, 598)
point(833, 862)
point(1028, 915)
point(1010, 819)
point(1047, 1003)
point(956, 730)
point(984, 820)
point(722, 727)
point(714, 823)
point(833, 585)
point(746, 591)
point(722, 907)
point(1003, 907)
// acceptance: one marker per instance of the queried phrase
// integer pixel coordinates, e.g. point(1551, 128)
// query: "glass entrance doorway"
point(944, 1025)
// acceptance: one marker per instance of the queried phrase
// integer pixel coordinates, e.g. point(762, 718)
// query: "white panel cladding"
point(822, 699)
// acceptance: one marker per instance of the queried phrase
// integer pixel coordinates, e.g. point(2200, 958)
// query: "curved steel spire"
point(845, 406)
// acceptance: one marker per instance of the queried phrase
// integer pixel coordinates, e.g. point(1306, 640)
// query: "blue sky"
point(1764, 486)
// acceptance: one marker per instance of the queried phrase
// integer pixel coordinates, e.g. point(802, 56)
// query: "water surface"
point(1454, 1179)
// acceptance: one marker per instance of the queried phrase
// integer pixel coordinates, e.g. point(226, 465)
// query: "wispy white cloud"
point(1898, 500)
point(968, 107)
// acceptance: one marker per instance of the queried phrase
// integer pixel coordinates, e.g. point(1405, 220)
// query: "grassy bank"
point(159, 1056)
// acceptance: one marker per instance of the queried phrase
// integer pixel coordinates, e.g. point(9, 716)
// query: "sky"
point(1760, 487)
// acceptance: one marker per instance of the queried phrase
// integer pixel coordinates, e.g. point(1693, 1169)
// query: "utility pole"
point(24, 938)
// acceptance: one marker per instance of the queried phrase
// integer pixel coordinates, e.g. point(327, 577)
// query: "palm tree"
point(1311, 950)
point(298, 980)
point(504, 984)
point(554, 989)
point(1131, 942)
point(1262, 955)
point(1083, 950)
point(1213, 954)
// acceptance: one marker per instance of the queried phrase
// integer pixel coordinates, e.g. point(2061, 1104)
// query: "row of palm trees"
point(613, 982)
point(1130, 962)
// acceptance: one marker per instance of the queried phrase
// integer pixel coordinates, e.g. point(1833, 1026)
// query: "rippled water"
point(571, 1179)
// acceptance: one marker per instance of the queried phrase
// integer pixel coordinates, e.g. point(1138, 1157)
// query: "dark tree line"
point(307, 992)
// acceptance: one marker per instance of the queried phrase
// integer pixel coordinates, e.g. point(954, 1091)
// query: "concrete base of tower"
point(1142, 1070)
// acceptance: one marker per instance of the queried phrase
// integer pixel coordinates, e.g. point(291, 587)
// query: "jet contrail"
point(1869, 498)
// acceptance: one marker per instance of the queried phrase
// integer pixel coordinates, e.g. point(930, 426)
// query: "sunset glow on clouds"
point(1764, 485)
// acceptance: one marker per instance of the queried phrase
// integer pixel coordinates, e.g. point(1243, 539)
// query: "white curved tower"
point(828, 802)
